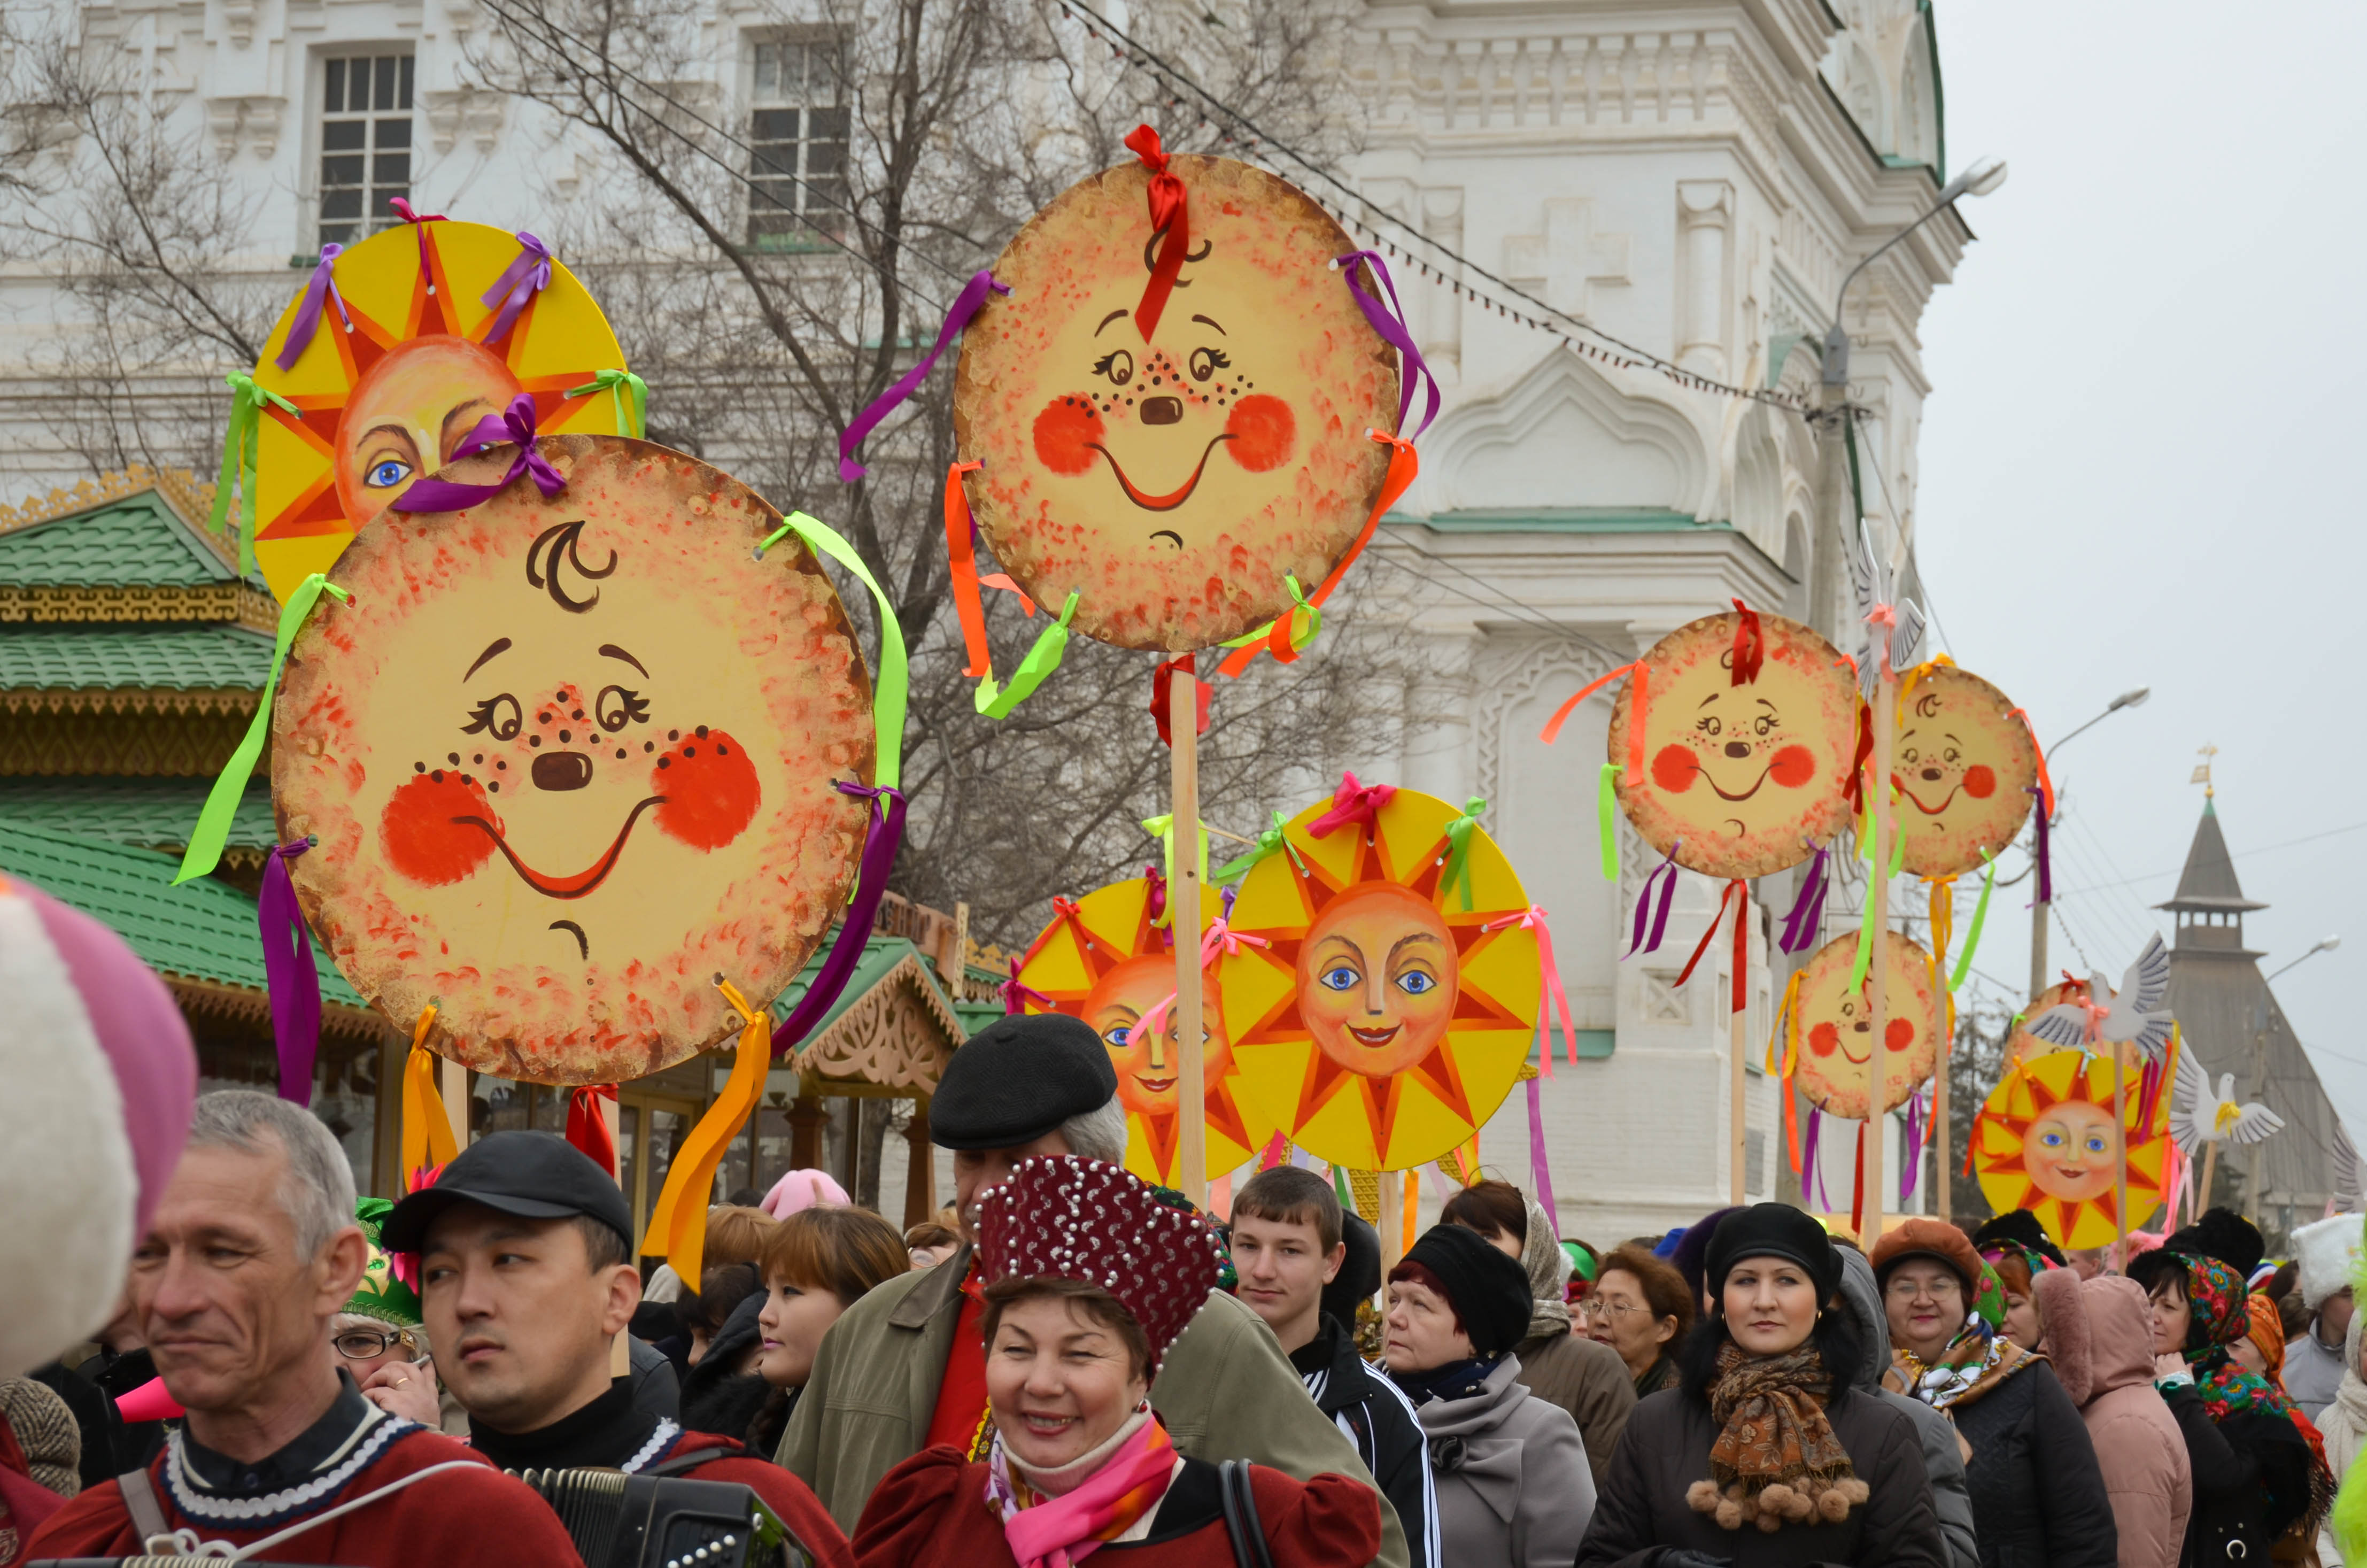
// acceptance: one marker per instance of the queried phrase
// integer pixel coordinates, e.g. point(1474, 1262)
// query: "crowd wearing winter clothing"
point(1071, 1360)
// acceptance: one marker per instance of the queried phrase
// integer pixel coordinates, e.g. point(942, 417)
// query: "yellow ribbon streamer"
point(678, 1224)
point(1944, 926)
point(427, 1141)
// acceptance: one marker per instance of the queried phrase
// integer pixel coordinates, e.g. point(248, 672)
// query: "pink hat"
point(101, 1079)
point(803, 1190)
point(1078, 1219)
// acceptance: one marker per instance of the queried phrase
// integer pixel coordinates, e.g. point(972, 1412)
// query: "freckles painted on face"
point(710, 789)
point(426, 837)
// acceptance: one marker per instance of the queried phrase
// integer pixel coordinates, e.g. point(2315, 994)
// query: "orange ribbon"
point(1403, 467)
point(1170, 218)
point(1552, 730)
point(964, 557)
point(2046, 785)
point(677, 1230)
point(427, 1141)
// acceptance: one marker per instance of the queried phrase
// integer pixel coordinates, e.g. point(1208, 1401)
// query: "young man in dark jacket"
point(1288, 1246)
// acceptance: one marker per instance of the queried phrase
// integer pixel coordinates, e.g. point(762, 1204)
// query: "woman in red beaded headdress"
point(1091, 1275)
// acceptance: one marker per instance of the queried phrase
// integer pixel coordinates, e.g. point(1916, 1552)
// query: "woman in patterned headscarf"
point(2255, 1472)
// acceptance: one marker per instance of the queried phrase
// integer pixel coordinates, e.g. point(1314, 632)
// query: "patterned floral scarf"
point(1968, 1362)
point(2217, 1301)
point(1121, 1480)
point(1776, 1459)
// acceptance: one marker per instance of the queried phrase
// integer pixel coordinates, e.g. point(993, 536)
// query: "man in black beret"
point(905, 1367)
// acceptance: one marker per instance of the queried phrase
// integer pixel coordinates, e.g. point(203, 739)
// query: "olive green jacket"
point(1225, 1391)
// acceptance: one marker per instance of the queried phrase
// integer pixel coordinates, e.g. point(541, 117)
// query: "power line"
point(1176, 80)
point(2239, 855)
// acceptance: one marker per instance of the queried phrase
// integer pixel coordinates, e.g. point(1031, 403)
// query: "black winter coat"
point(2251, 1481)
point(2038, 1494)
point(1665, 1449)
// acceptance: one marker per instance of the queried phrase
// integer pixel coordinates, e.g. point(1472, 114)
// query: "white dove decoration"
point(2201, 1115)
point(2133, 1015)
point(1875, 590)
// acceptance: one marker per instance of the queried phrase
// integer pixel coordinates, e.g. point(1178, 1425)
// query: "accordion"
point(642, 1521)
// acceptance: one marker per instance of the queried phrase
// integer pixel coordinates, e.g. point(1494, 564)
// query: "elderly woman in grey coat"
point(1509, 1470)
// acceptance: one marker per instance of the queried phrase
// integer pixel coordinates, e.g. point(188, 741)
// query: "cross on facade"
point(1568, 258)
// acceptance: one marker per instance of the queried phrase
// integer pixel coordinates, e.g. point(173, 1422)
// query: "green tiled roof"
point(151, 813)
point(138, 540)
point(201, 930)
point(171, 657)
point(880, 955)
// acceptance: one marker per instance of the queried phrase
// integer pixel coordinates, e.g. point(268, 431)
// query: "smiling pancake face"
point(1836, 1034)
point(567, 759)
point(1748, 777)
point(1174, 482)
point(1962, 765)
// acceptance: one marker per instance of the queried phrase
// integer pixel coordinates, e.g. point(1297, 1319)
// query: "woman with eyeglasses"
point(1641, 1308)
point(377, 1340)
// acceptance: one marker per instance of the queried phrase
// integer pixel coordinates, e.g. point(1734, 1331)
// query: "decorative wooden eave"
point(885, 1038)
point(209, 999)
point(237, 701)
point(239, 604)
point(181, 489)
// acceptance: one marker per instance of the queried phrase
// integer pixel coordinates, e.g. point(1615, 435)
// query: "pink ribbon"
point(1539, 1171)
point(527, 275)
point(1016, 995)
point(1533, 919)
point(966, 305)
point(1221, 940)
point(516, 424)
point(419, 221)
point(1278, 1151)
point(318, 288)
point(1352, 803)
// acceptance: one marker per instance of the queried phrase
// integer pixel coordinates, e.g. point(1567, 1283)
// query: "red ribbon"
point(587, 1128)
point(1169, 216)
point(1352, 803)
point(419, 221)
point(1749, 645)
point(1162, 697)
point(1702, 946)
point(1854, 793)
point(1155, 908)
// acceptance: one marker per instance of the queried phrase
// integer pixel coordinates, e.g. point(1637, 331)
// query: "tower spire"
point(2203, 772)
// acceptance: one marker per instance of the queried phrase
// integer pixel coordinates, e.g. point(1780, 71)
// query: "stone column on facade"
point(1704, 226)
point(1439, 755)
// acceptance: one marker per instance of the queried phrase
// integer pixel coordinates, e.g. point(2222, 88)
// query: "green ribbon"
point(206, 839)
point(1980, 912)
point(1312, 612)
point(1606, 815)
point(887, 698)
point(1339, 1186)
point(1271, 841)
point(1457, 874)
point(1865, 959)
point(633, 417)
point(242, 443)
point(996, 701)
point(1163, 828)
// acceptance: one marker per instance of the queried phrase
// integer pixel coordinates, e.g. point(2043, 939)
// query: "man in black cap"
point(524, 1253)
point(905, 1367)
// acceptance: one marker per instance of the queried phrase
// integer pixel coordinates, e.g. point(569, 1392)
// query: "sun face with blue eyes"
point(408, 413)
point(1377, 979)
point(1145, 1060)
point(2071, 1150)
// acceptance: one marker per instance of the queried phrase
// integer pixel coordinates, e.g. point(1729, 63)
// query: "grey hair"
point(1098, 1134)
point(318, 1188)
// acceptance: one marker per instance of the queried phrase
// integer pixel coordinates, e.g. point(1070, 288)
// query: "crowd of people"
point(1071, 1360)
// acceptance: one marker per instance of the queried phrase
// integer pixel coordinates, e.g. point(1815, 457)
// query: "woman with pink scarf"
point(1090, 1277)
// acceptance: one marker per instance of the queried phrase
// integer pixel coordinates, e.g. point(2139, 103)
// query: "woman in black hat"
point(1767, 1455)
point(1509, 1470)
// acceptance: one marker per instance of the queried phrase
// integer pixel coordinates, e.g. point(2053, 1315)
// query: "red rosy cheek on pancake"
point(1263, 430)
point(1066, 432)
point(710, 790)
point(423, 841)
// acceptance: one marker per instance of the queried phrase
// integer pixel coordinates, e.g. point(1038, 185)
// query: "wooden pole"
point(452, 1083)
point(2119, 1162)
point(2209, 1164)
point(1184, 920)
point(1886, 724)
point(1738, 1143)
point(1392, 1226)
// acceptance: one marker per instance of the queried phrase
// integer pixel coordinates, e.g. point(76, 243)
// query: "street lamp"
point(1983, 176)
point(2324, 945)
point(2038, 906)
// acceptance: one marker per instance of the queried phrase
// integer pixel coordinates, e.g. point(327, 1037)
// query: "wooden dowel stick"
point(1184, 921)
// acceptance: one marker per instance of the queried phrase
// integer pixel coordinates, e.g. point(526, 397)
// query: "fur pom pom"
point(1729, 1514)
point(1702, 1497)
point(1831, 1505)
point(1776, 1499)
point(1854, 1490)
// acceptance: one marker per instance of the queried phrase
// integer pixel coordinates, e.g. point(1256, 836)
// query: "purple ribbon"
point(514, 424)
point(1389, 322)
point(290, 978)
point(1913, 1163)
point(321, 285)
point(966, 305)
point(1813, 1177)
point(885, 832)
point(1659, 923)
point(525, 277)
point(2045, 871)
point(1806, 919)
point(1539, 1172)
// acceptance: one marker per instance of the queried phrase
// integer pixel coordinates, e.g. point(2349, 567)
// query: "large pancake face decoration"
point(388, 403)
point(1376, 1018)
point(569, 760)
point(1174, 482)
point(1103, 961)
point(1739, 778)
point(2045, 1141)
point(1834, 1026)
point(1962, 765)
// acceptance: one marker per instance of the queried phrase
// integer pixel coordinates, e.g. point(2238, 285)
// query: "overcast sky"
point(2141, 462)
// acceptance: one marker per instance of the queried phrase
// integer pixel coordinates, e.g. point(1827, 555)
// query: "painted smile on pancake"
point(1755, 783)
point(1173, 498)
point(1901, 785)
point(582, 882)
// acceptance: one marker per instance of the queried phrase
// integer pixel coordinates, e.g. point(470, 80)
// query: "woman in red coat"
point(1089, 1277)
